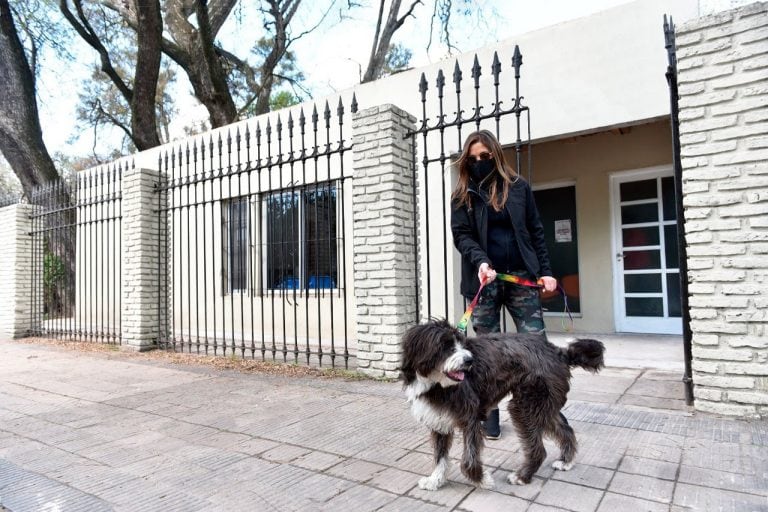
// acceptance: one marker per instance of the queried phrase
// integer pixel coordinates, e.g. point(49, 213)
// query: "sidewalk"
point(99, 431)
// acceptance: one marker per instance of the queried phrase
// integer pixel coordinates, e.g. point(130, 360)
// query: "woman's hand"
point(486, 274)
point(549, 282)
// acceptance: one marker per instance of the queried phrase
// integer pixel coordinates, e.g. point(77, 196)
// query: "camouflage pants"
point(522, 303)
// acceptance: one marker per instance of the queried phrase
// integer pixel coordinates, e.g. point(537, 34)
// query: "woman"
point(496, 228)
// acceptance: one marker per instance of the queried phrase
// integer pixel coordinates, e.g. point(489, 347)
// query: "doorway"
point(646, 284)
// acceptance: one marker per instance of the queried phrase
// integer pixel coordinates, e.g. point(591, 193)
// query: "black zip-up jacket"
point(470, 234)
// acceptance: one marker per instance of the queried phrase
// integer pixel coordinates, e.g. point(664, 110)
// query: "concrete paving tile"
point(356, 470)
point(317, 461)
point(482, 501)
point(405, 504)
point(359, 498)
point(615, 502)
point(537, 507)
point(583, 474)
point(649, 467)
point(526, 492)
point(751, 484)
point(419, 463)
point(382, 454)
point(706, 499)
point(394, 481)
point(285, 453)
point(729, 457)
point(652, 402)
point(448, 496)
point(644, 487)
point(254, 446)
point(669, 454)
point(562, 494)
point(658, 388)
point(319, 488)
point(583, 395)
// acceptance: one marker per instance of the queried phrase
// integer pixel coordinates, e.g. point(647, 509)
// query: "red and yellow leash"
point(462, 325)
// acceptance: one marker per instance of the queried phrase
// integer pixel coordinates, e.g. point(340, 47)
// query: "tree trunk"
point(21, 138)
point(148, 53)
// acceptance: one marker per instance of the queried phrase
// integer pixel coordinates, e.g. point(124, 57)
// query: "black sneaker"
point(491, 425)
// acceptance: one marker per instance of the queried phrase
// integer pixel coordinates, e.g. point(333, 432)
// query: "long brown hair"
point(498, 189)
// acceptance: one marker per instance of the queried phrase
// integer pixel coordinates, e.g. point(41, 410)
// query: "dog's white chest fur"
point(430, 417)
point(424, 412)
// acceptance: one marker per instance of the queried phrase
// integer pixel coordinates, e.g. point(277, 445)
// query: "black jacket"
point(470, 234)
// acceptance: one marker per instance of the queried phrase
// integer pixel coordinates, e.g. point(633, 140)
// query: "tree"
point(215, 73)
point(140, 93)
point(102, 106)
point(21, 138)
point(382, 37)
point(387, 57)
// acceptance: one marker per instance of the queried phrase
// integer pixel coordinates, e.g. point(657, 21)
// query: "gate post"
point(141, 238)
point(384, 216)
point(16, 271)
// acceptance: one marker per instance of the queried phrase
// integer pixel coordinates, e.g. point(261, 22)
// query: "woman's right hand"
point(486, 274)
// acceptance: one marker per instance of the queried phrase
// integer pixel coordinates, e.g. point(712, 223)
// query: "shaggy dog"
point(452, 381)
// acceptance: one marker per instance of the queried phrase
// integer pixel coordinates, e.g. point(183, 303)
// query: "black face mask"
point(481, 169)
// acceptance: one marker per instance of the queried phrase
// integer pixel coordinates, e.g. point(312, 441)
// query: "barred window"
point(301, 238)
point(235, 230)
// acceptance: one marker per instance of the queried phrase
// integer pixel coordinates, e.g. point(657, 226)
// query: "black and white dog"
point(452, 381)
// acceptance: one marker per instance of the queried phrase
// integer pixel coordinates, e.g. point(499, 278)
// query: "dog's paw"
point(514, 479)
point(430, 484)
point(487, 482)
point(561, 465)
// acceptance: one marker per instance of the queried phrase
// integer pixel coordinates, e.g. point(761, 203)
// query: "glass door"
point(646, 257)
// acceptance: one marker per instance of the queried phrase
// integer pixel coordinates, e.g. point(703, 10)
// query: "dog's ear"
point(423, 348)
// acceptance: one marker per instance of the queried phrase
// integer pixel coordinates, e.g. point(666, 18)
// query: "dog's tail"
point(587, 354)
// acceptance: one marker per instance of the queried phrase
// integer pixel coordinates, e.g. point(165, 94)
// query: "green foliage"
point(398, 59)
point(283, 99)
point(53, 275)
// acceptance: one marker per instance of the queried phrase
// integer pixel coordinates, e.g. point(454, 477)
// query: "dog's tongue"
point(456, 375)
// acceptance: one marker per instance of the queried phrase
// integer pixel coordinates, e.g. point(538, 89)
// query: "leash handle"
point(464, 321)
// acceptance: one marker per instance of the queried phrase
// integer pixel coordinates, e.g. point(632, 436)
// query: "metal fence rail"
point(76, 265)
point(440, 140)
point(256, 218)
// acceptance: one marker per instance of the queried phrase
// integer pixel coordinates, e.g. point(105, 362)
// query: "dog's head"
point(435, 351)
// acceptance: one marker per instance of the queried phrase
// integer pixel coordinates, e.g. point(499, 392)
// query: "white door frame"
point(623, 323)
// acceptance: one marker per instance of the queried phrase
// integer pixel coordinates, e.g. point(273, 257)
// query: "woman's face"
point(478, 151)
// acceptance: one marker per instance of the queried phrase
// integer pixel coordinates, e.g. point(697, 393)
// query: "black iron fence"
point(76, 264)
point(256, 241)
point(682, 250)
point(447, 117)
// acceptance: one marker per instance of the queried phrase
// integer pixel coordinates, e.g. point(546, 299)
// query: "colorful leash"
point(464, 321)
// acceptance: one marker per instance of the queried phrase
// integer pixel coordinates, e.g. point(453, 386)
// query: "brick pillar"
point(383, 244)
point(141, 236)
point(16, 270)
point(724, 148)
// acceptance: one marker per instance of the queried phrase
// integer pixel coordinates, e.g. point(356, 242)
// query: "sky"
point(331, 57)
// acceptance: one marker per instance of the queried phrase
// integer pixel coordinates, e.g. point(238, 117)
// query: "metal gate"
point(256, 246)
point(76, 264)
point(444, 123)
point(682, 251)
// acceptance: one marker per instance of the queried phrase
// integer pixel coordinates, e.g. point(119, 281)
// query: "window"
point(557, 209)
point(301, 245)
point(235, 222)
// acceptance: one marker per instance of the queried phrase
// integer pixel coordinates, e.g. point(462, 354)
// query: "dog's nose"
point(467, 360)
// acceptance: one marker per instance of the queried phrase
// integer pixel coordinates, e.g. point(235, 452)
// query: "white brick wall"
point(383, 245)
point(15, 270)
point(723, 84)
point(140, 322)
